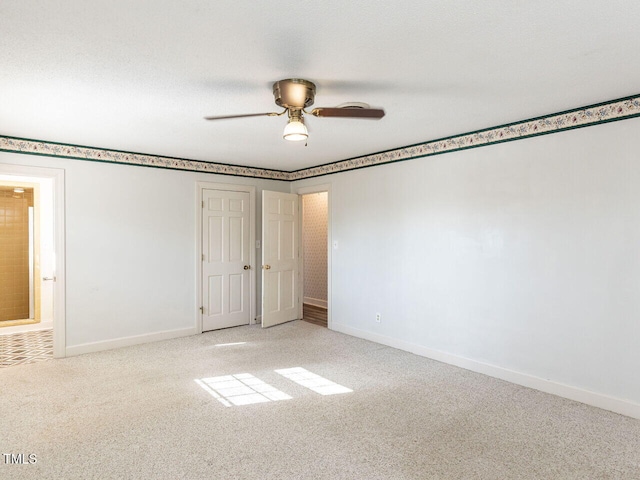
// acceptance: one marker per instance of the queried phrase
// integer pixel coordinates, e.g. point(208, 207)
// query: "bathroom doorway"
point(19, 249)
point(31, 263)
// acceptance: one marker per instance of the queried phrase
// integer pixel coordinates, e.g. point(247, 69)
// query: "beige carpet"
point(138, 413)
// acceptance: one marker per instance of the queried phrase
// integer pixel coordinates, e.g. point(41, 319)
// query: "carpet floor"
point(295, 401)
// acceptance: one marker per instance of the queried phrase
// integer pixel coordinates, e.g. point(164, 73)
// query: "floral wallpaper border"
point(621, 109)
point(38, 147)
point(614, 110)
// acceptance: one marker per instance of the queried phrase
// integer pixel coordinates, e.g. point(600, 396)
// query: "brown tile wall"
point(14, 254)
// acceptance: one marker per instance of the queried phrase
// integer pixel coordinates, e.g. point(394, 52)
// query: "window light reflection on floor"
point(228, 344)
point(312, 381)
point(240, 389)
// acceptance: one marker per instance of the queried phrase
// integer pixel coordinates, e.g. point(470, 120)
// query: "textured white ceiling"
point(140, 75)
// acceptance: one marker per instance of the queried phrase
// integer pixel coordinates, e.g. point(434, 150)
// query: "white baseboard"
point(128, 341)
point(315, 302)
point(613, 404)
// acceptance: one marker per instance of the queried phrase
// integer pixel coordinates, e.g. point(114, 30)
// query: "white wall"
point(130, 248)
point(520, 260)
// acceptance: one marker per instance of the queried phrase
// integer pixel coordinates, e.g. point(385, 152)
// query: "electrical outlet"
point(378, 317)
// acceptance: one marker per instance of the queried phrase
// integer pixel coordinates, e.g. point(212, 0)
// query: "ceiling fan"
point(294, 95)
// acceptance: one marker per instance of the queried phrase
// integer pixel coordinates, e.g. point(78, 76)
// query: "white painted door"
point(225, 259)
point(279, 258)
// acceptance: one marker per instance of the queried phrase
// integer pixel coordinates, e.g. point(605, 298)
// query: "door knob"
point(247, 267)
point(266, 267)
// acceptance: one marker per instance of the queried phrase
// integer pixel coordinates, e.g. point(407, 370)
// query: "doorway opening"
point(26, 256)
point(19, 249)
point(32, 322)
point(315, 261)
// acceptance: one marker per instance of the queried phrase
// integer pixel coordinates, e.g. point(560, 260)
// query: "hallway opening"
point(315, 257)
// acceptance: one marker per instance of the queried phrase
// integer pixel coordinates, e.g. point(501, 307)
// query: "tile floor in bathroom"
point(27, 347)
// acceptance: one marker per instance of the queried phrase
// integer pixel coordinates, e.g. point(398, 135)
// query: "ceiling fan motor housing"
point(294, 93)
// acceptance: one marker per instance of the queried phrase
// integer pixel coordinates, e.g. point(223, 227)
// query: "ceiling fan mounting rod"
point(295, 114)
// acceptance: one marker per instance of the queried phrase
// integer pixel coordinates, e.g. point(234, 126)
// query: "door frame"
point(251, 190)
point(324, 187)
point(56, 175)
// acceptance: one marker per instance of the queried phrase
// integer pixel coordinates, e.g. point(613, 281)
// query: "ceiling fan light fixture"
point(295, 130)
point(296, 94)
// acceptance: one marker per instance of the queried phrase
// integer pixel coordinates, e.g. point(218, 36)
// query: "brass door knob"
point(247, 267)
point(266, 267)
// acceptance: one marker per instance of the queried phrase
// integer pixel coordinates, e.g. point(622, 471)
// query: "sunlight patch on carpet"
point(240, 389)
point(312, 381)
